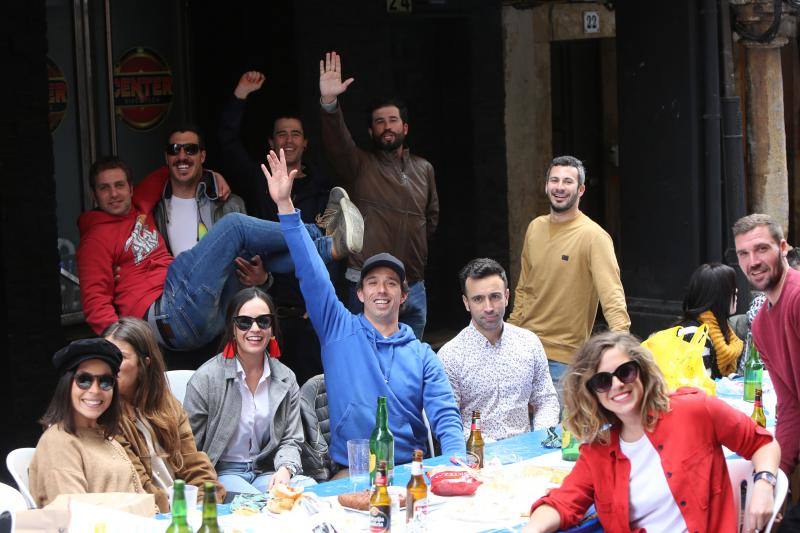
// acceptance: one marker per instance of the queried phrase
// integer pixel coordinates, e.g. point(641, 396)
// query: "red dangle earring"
point(273, 348)
point(229, 352)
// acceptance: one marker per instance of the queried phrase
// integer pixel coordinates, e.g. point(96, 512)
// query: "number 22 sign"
point(591, 22)
point(398, 6)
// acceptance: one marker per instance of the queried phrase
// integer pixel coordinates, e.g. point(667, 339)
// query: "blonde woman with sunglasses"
point(77, 452)
point(244, 405)
point(651, 460)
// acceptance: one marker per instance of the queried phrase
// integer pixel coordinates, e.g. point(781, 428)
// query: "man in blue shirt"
point(370, 354)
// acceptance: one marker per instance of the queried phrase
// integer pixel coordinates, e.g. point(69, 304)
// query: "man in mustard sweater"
point(568, 266)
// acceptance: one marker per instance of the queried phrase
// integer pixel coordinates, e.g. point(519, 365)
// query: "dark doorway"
point(584, 104)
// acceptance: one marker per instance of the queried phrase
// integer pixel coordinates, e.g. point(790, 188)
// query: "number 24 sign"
point(398, 6)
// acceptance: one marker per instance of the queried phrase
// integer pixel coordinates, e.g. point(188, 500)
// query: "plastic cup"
point(190, 491)
point(358, 462)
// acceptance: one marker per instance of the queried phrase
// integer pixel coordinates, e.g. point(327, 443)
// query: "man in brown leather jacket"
point(394, 190)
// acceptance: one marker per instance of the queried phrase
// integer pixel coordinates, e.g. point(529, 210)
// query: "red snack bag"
point(453, 483)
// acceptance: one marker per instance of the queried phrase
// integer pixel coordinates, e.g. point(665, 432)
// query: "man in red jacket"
point(126, 270)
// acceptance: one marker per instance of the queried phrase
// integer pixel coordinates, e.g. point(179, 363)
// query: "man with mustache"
point(568, 266)
point(761, 251)
point(497, 368)
point(395, 190)
point(192, 201)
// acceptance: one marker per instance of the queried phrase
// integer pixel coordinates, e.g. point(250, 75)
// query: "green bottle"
point(381, 444)
point(753, 372)
point(210, 524)
point(570, 447)
point(179, 524)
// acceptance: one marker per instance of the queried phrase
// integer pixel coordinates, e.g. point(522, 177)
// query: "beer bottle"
point(178, 524)
point(753, 372)
point(475, 442)
point(416, 496)
point(758, 415)
point(210, 524)
point(380, 503)
point(570, 447)
point(381, 443)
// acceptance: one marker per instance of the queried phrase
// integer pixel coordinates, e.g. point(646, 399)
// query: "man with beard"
point(494, 367)
point(568, 266)
point(761, 251)
point(395, 191)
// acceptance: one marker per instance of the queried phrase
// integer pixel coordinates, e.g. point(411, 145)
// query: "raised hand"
point(279, 181)
point(330, 78)
point(251, 81)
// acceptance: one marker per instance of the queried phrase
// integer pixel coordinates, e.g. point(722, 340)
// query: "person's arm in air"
point(324, 308)
point(239, 165)
point(342, 151)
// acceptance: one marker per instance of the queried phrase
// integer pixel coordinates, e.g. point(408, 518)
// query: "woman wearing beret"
point(244, 405)
point(153, 421)
point(77, 452)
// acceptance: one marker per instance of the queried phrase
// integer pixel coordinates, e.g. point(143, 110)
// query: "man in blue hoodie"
point(370, 354)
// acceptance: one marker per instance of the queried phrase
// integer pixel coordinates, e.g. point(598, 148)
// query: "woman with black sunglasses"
point(651, 460)
point(244, 405)
point(153, 422)
point(77, 452)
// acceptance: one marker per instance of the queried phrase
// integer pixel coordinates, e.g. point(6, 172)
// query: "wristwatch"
point(767, 476)
point(293, 469)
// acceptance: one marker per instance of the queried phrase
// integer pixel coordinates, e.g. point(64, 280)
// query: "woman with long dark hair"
point(244, 405)
point(153, 421)
point(651, 460)
point(77, 452)
point(711, 300)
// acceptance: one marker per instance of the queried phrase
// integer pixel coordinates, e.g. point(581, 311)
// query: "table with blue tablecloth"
point(508, 451)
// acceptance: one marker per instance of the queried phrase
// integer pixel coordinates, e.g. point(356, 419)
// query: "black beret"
point(76, 352)
point(386, 260)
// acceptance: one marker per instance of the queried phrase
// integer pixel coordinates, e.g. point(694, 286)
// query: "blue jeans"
point(201, 281)
point(241, 477)
point(413, 312)
point(557, 371)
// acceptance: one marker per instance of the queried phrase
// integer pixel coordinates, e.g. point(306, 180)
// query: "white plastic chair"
point(11, 499)
point(17, 463)
point(741, 471)
point(177, 380)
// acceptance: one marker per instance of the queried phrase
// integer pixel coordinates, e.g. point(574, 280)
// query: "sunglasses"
point(244, 323)
point(626, 373)
point(84, 381)
point(189, 148)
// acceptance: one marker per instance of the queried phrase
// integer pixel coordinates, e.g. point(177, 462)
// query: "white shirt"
point(182, 224)
point(500, 380)
point(252, 432)
point(652, 505)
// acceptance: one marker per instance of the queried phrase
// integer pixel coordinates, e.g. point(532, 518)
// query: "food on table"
point(453, 482)
point(283, 498)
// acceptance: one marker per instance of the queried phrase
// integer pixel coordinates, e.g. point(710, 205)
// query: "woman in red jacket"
point(652, 461)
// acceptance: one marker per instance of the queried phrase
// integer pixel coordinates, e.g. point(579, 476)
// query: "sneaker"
point(325, 221)
point(347, 229)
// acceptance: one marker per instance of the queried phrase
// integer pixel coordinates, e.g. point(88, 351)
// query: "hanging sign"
point(56, 95)
point(142, 88)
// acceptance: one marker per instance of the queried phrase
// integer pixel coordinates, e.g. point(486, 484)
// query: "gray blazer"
point(214, 405)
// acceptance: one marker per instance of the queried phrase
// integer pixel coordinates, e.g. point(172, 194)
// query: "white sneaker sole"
point(353, 225)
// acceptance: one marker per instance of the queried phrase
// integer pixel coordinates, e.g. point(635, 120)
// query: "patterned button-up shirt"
point(500, 380)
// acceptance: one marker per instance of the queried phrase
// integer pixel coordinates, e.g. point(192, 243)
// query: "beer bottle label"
point(476, 424)
point(420, 508)
point(380, 518)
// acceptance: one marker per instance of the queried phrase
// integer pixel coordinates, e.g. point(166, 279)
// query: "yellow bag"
point(680, 361)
